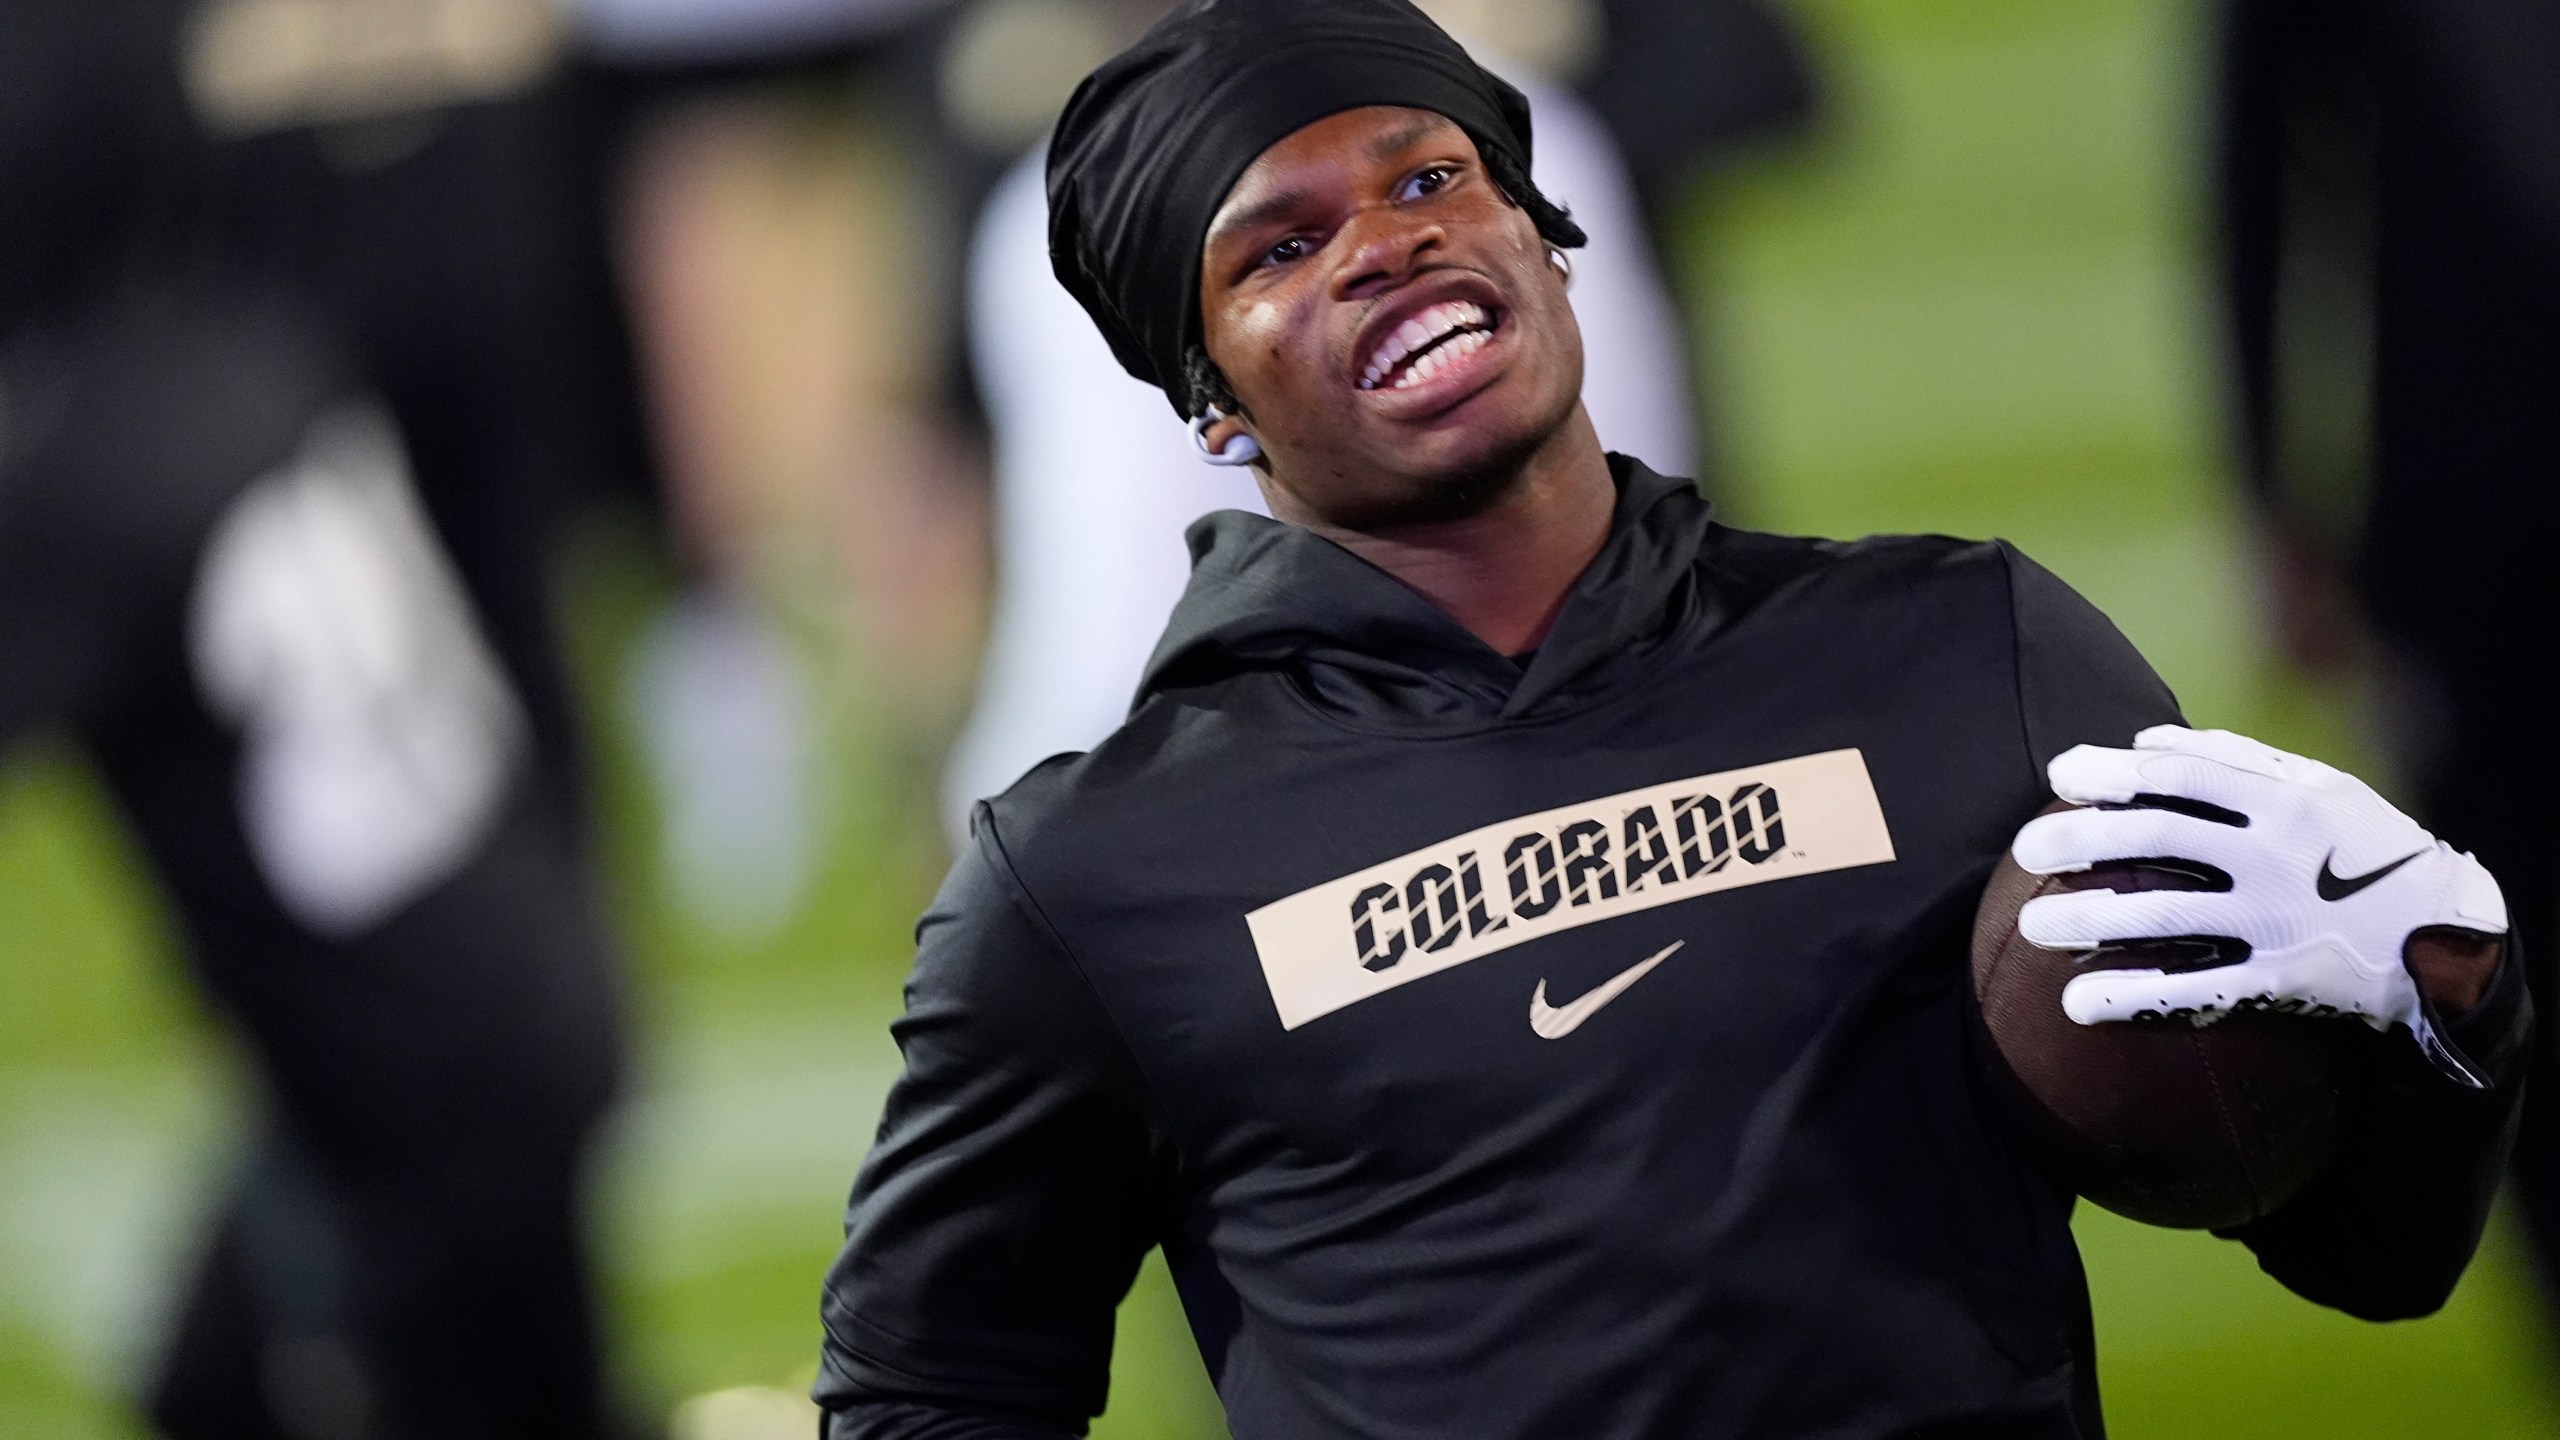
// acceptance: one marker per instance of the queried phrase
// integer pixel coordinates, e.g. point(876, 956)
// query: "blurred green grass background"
point(1975, 303)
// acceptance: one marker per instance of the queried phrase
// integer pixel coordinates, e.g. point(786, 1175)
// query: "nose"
point(1385, 247)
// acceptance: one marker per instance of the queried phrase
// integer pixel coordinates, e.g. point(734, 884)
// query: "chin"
point(1459, 471)
point(1455, 481)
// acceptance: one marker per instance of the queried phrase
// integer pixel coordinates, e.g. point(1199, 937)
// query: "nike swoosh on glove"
point(2328, 881)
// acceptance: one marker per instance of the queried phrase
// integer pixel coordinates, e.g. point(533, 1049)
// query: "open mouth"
point(1432, 341)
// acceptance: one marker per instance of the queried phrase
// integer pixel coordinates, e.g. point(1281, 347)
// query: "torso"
point(1752, 1192)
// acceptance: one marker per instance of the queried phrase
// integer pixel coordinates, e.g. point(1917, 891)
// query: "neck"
point(1503, 571)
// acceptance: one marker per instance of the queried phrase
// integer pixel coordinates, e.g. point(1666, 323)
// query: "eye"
point(1293, 248)
point(1428, 180)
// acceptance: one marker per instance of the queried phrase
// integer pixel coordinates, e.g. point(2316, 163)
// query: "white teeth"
point(1424, 328)
point(1442, 358)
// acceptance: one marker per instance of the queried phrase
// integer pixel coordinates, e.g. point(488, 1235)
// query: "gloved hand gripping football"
point(2328, 881)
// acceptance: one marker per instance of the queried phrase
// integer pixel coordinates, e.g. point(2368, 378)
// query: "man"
point(218, 574)
point(1513, 957)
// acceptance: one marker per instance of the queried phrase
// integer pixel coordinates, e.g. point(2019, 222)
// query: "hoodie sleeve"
point(2387, 1230)
point(1018, 1179)
point(2080, 682)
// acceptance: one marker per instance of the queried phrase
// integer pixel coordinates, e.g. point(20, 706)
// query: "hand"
point(2327, 883)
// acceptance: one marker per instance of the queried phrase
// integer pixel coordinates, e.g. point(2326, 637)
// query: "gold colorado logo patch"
point(1470, 895)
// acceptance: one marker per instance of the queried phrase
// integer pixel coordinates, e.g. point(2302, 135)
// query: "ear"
point(1224, 429)
point(1229, 440)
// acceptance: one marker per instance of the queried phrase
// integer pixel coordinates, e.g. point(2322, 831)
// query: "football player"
point(1513, 957)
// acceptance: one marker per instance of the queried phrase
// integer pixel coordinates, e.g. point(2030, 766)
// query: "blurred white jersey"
point(1096, 478)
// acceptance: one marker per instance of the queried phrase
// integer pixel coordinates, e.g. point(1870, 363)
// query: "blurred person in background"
point(1684, 84)
point(1093, 486)
point(2389, 186)
point(435, 177)
point(304, 346)
point(791, 289)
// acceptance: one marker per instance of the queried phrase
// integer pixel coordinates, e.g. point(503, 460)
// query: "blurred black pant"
point(402, 1255)
point(2478, 743)
point(2389, 177)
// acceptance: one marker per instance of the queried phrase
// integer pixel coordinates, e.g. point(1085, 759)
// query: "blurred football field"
point(1974, 304)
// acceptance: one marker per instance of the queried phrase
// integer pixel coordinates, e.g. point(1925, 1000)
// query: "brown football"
point(2163, 1121)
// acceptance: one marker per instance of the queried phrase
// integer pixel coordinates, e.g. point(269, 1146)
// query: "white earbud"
point(1563, 264)
point(1240, 449)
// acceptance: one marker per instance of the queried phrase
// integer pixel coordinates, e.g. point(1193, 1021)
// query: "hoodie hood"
point(1270, 596)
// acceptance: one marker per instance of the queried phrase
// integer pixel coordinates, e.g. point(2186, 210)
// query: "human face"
point(1391, 324)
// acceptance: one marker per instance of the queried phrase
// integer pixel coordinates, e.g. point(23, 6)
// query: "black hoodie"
point(1569, 1049)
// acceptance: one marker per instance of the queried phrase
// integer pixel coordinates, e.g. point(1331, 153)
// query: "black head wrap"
point(1149, 145)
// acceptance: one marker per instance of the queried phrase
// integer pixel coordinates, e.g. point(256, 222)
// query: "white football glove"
point(2327, 883)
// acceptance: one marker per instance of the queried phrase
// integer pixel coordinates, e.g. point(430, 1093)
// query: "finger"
point(2253, 757)
point(2104, 995)
point(2070, 840)
point(2230, 748)
point(2095, 775)
point(2214, 782)
point(2162, 737)
point(2087, 919)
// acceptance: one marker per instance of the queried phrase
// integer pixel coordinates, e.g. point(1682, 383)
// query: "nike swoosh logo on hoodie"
point(1553, 1022)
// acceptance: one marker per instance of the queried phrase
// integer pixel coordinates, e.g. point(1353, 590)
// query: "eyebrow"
point(1261, 212)
point(1278, 206)
point(1385, 146)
